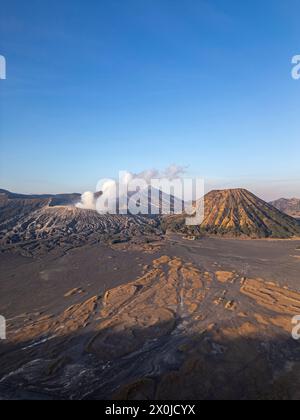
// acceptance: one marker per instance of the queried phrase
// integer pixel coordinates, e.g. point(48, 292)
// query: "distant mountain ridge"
point(289, 206)
point(56, 199)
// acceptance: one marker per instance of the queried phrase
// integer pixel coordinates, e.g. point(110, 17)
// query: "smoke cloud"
point(88, 199)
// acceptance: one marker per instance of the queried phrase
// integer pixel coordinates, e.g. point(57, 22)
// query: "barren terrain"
point(173, 319)
point(132, 307)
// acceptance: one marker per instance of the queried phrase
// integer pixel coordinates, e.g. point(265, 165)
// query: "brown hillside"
point(239, 212)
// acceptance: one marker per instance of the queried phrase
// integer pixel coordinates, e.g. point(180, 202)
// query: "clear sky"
point(98, 86)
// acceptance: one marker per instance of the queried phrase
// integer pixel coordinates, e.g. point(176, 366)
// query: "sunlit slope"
point(239, 212)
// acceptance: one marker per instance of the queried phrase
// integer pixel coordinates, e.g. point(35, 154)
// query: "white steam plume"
point(88, 199)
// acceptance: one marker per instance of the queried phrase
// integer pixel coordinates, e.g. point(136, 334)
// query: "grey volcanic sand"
point(31, 285)
point(273, 260)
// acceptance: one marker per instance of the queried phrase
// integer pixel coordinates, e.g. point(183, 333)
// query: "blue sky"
point(98, 86)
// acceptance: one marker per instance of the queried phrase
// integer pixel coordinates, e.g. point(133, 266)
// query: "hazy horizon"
point(277, 190)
